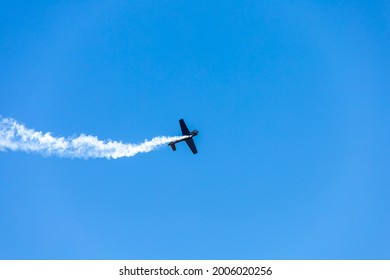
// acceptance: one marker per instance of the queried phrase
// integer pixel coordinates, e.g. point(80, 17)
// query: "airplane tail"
point(173, 146)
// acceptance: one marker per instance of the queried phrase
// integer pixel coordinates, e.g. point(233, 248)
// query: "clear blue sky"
point(291, 98)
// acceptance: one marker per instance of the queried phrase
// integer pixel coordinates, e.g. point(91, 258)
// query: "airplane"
point(188, 139)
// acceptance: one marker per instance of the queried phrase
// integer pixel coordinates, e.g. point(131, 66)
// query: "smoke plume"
point(16, 137)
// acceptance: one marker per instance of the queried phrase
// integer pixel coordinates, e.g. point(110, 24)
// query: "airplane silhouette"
point(188, 139)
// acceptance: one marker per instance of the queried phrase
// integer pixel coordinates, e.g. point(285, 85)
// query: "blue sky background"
point(291, 99)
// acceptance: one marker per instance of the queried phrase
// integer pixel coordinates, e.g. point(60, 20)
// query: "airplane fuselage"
point(193, 133)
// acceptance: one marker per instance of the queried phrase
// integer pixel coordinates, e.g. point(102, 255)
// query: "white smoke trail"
point(16, 137)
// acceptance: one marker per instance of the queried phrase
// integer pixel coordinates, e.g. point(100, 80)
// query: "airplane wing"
point(184, 128)
point(190, 142)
